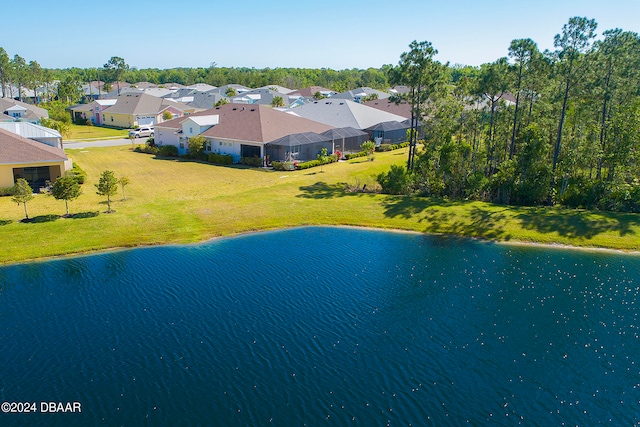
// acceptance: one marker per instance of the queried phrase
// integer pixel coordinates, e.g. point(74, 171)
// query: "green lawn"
point(171, 201)
point(87, 133)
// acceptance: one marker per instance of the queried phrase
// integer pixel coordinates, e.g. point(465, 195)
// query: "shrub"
point(322, 160)
point(7, 191)
point(283, 166)
point(148, 148)
point(396, 181)
point(167, 151)
point(582, 193)
point(220, 159)
point(369, 147)
point(307, 165)
point(251, 161)
point(355, 155)
point(79, 174)
point(391, 147)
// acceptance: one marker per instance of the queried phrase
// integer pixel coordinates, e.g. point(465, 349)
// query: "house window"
point(208, 146)
point(182, 145)
point(190, 130)
point(111, 118)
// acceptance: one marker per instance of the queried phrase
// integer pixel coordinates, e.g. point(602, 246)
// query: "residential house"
point(400, 90)
point(91, 91)
point(310, 93)
point(402, 109)
point(265, 96)
point(277, 88)
point(196, 99)
point(34, 161)
point(138, 109)
point(35, 132)
point(173, 86)
point(222, 90)
point(361, 94)
point(6, 118)
point(240, 131)
point(92, 111)
point(391, 132)
point(342, 113)
point(21, 111)
point(202, 87)
point(144, 85)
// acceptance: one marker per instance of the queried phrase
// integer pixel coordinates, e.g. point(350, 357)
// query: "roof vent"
point(253, 109)
point(342, 103)
point(235, 108)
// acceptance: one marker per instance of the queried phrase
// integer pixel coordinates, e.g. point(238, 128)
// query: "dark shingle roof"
point(258, 123)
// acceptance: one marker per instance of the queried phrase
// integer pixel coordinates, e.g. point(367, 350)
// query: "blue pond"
point(325, 326)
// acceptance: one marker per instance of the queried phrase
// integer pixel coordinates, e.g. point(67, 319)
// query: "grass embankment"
point(88, 133)
point(170, 201)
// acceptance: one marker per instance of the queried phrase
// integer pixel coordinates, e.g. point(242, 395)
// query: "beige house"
point(140, 109)
point(34, 161)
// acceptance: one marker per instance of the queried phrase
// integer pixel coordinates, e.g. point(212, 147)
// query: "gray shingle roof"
point(36, 112)
point(15, 149)
point(366, 91)
point(342, 113)
point(141, 103)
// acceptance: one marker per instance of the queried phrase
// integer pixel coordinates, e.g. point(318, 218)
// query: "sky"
point(336, 34)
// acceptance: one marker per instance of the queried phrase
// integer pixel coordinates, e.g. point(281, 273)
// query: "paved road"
point(102, 143)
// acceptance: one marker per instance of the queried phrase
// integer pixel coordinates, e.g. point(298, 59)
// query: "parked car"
point(141, 132)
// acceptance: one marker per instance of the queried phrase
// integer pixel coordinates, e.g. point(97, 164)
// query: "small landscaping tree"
point(66, 188)
point(167, 115)
point(231, 92)
point(22, 194)
point(196, 146)
point(123, 181)
point(107, 186)
point(369, 147)
point(322, 157)
point(220, 102)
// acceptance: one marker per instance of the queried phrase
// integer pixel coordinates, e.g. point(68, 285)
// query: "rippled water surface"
point(325, 326)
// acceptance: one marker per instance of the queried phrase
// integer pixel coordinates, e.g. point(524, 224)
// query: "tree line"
point(532, 128)
point(22, 74)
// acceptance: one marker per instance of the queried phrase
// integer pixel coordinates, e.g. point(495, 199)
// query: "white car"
point(142, 131)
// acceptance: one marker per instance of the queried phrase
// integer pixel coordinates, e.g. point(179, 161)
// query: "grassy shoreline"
point(176, 202)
